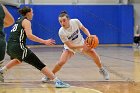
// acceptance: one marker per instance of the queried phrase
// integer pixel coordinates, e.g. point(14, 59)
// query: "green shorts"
point(22, 53)
point(17, 51)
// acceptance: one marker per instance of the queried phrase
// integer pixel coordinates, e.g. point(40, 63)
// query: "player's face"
point(64, 22)
point(30, 15)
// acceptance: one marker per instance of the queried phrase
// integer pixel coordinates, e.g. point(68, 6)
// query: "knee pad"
point(34, 61)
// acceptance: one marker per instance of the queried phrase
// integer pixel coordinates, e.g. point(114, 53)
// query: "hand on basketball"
point(49, 42)
point(92, 41)
point(86, 47)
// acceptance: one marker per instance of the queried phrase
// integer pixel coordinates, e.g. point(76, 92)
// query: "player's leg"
point(139, 41)
point(92, 54)
point(9, 65)
point(65, 56)
point(35, 61)
point(16, 54)
point(136, 40)
point(51, 76)
point(12, 63)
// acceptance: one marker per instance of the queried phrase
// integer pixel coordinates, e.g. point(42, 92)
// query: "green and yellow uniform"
point(16, 47)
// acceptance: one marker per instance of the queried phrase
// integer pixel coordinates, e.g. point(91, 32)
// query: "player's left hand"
point(49, 42)
point(86, 47)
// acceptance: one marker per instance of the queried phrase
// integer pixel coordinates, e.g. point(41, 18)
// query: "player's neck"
point(67, 27)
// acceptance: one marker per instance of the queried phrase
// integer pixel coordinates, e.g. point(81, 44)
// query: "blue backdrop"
point(113, 24)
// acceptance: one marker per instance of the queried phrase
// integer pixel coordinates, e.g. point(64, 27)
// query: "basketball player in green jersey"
point(6, 20)
point(18, 51)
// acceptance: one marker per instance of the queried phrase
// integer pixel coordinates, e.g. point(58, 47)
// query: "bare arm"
point(8, 20)
point(27, 27)
point(85, 30)
point(72, 46)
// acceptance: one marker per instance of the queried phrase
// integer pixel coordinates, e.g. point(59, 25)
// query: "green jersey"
point(16, 46)
point(2, 15)
point(17, 33)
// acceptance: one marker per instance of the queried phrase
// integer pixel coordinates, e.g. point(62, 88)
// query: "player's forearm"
point(87, 32)
point(35, 38)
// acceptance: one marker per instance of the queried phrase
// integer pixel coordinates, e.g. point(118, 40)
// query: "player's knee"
point(34, 61)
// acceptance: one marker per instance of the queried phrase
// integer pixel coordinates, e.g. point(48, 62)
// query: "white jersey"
point(72, 34)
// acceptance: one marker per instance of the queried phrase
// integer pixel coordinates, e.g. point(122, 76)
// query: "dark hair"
point(63, 13)
point(23, 11)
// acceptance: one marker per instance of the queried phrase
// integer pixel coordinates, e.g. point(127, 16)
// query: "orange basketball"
point(92, 41)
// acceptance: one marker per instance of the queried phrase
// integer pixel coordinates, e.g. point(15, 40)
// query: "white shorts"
point(75, 50)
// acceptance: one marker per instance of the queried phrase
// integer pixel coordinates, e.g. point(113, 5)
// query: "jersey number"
point(14, 28)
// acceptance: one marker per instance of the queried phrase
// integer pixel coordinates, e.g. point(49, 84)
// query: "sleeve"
point(79, 23)
point(63, 37)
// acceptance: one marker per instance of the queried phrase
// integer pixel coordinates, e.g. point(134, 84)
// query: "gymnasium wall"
point(113, 24)
point(63, 1)
point(73, 1)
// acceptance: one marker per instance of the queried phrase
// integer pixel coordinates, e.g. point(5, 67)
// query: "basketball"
point(92, 41)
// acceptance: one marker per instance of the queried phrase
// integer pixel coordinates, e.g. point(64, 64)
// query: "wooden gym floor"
point(123, 64)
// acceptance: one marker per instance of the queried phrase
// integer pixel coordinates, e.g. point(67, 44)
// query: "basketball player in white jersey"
point(73, 41)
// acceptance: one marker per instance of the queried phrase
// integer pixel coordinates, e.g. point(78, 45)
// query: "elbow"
point(12, 21)
point(9, 23)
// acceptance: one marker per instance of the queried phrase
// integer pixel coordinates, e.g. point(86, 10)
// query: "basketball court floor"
point(123, 64)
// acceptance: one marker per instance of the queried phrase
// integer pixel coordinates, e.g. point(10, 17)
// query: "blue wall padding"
point(113, 24)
